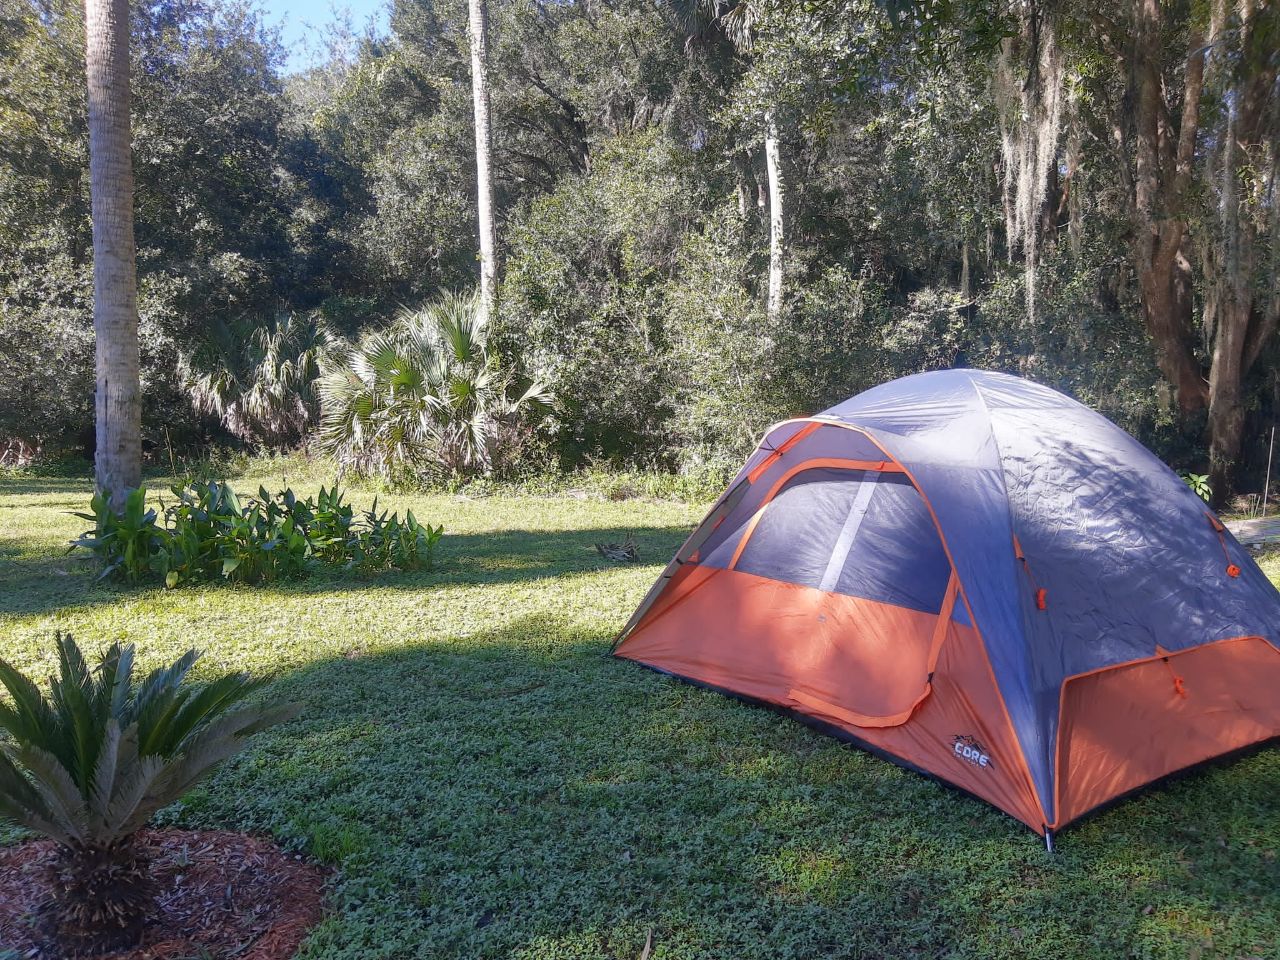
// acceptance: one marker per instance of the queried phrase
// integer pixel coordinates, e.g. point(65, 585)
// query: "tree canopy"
point(1077, 193)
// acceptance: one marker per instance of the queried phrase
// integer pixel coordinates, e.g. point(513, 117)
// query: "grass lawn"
point(489, 783)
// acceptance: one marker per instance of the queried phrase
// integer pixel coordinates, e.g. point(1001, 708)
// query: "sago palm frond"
point(89, 763)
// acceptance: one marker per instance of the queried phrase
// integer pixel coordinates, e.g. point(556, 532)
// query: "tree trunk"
point(744, 179)
point(777, 222)
point(479, 29)
point(1163, 177)
point(1242, 320)
point(1071, 195)
point(1167, 314)
point(1226, 400)
point(118, 400)
point(105, 897)
point(762, 197)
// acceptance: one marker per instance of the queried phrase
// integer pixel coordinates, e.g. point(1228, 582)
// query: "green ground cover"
point(488, 783)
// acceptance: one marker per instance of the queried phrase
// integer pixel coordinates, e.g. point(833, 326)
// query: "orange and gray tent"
point(981, 579)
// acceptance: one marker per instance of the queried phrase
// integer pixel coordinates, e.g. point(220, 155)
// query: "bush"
point(46, 356)
point(209, 533)
point(583, 301)
point(259, 380)
point(425, 396)
point(1199, 484)
point(1084, 339)
point(724, 355)
point(88, 765)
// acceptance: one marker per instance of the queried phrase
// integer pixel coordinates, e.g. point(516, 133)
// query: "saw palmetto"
point(426, 393)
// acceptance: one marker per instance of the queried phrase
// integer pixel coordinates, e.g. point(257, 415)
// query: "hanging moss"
point(1029, 90)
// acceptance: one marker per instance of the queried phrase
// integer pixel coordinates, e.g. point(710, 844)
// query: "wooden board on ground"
point(1256, 531)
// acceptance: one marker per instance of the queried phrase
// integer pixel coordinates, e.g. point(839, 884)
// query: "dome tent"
point(981, 579)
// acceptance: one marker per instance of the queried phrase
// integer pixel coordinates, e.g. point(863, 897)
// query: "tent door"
point(871, 591)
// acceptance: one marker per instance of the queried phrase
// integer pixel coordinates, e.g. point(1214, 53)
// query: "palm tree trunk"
point(777, 223)
point(479, 28)
point(118, 401)
point(105, 896)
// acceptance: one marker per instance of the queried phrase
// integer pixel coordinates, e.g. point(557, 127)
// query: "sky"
point(302, 23)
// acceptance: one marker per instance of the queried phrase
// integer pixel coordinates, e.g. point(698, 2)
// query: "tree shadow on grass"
point(40, 486)
point(35, 579)
point(516, 792)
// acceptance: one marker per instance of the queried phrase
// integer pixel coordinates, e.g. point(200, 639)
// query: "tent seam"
point(964, 595)
point(1004, 489)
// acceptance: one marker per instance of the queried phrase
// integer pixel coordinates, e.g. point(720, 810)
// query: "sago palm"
point(424, 393)
point(91, 762)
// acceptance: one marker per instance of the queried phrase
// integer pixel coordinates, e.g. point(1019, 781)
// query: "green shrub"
point(89, 764)
point(584, 297)
point(716, 325)
point(387, 541)
point(1199, 483)
point(424, 396)
point(210, 533)
point(124, 542)
point(259, 380)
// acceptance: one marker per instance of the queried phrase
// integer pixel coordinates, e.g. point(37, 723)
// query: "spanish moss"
point(1029, 93)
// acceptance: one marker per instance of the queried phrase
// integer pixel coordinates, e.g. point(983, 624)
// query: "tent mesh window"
point(855, 532)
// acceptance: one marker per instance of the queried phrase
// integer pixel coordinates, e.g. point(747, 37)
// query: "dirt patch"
point(221, 894)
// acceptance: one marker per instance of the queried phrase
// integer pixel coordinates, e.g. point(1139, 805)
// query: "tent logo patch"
point(967, 748)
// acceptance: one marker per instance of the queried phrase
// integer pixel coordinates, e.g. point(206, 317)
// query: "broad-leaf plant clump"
point(209, 533)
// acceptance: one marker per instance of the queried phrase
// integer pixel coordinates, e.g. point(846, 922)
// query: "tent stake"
point(1048, 840)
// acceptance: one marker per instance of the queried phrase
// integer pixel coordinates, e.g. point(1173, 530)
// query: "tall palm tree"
point(479, 29)
point(118, 399)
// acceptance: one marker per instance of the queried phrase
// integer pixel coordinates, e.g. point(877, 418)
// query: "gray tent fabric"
point(1126, 552)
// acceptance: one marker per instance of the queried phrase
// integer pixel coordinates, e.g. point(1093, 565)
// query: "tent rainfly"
point(985, 581)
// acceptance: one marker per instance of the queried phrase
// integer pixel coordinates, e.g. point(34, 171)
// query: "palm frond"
point(102, 784)
point(74, 699)
point(424, 393)
point(158, 686)
point(216, 742)
point(260, 380)
point(213, 698)
point(22, 804)
point(117, 678)
point(137, 797)
point(30, 717)
point(61, 795)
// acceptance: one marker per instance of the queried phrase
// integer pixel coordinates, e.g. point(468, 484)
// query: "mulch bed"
point(221, 894)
